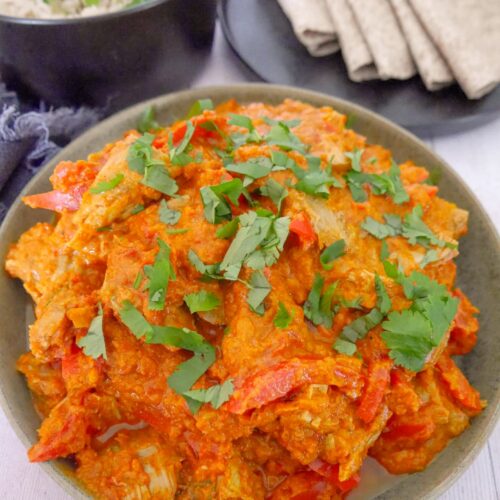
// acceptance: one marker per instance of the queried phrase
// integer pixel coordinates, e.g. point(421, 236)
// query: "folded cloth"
point(467, 33)
point(357, 56)
point(432, 67)
point(312, 25)
point(384, 38)
point(26, 140)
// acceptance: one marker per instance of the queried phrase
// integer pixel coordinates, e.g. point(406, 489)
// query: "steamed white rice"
point(47, 9)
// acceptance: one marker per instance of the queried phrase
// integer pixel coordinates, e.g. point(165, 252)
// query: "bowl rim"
point(56, 21)
point(52, 468)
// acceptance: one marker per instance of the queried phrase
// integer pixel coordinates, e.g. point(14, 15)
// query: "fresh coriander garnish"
point(417, 231)
point(138, 279)
point(274, 190)
point(209, 271)
point(257, 244)
point(357, 329)
point(255, 168)
point(168, 215)
point(289, 123)
point(384, 303)
point(132, 318)
point(413, 333)
point(318, 307)
point(331, 253)
point(215, 206)
point(178, 154)
point(93, 343)
point(392, 227)
point(199, 106)
point(283, 318)
point(104, 186)
point(148, 121)
point(244, 122)
point(137, 209)
point(259, 290)
point(384, 251)
point(159, 274)
point(216, 395)
point(355, 157)
point(228, 230)
point(140, 153)
point(157, 177)
point(429, 257)
point(177, 230)
point(201, 301)
point(280, 135)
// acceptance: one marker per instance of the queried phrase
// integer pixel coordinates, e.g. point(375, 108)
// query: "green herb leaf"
point(137, 209)
point(132, 318)
point(384, 303)
point(216, 395)
point(384, 251)
point(148, 121)
point(283, 318)
point(356, 330)
point(201, 301)
point(429, 257)
point(280, 135)
point(380, 230)
point(228, 230)
point(178, 230)
point(417, 231)
point(274, 190)
point(318, 306)
point(199, 106)
point(157, 177)
point(255, 168)
point(104, 186)
point(167, 215)
point(93, 343)
point(244, 122)
point(140, 153)
point(355, 158)
point(314, 181)
point(209, 271)
point(159, 274)
point(259, 290)
point(178, 154)
point(331, 253)
point(216, 207)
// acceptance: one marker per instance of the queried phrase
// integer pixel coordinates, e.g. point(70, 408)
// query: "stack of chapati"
point(443, 40)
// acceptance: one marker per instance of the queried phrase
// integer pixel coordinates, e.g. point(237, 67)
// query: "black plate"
point(261, 35)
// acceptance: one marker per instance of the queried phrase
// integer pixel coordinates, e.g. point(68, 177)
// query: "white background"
point(475, 155)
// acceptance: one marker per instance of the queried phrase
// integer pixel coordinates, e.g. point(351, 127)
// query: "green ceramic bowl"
point(478, 276)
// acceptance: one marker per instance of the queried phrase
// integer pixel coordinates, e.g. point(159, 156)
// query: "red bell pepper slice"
point(302, 227)
point(378, 379)
point(458, 385)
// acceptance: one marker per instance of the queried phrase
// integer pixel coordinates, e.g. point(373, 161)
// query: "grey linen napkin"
point(432, 67)
point(27, 140)
point(355, 51)
point(467, 33)
point(312, 25)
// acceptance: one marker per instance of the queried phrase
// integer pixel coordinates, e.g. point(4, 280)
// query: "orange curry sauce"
point(301, 417)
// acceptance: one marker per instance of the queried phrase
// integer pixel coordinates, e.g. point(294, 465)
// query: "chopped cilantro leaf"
point(380, 230)
point(314, 181)
point(280, 135)
point(244, 122)
point(289, 123)
point(159, 274)
point(384, 303)
point(318, 306)
point(199, 106)
point(178, 154)
point(137, 209)
point(201, 301)
point(274, 190)
point(156, 176)
point(140, 153)
point(255, 168)
point(357, 329)
point(216, 207)
point(258, 243)
point(228, 230)
point(259, 290)
point(283, 318)
point(93, 343)
point(350, 120)
point(384, 251)
point(209, 271)
point(417, 231)
point(355, 157)
point(355, 181)
point(178, 230)
point(331, 253)
point(429, 257)
point(216, 395)
point(148, 121)
point(104, 186)
point(167, 215)
point(138, 279)
point(132, 318)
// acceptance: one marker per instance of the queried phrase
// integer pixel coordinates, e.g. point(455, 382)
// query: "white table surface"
point(474, 154)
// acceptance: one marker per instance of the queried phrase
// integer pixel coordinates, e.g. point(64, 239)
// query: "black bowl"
point(107, 61)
